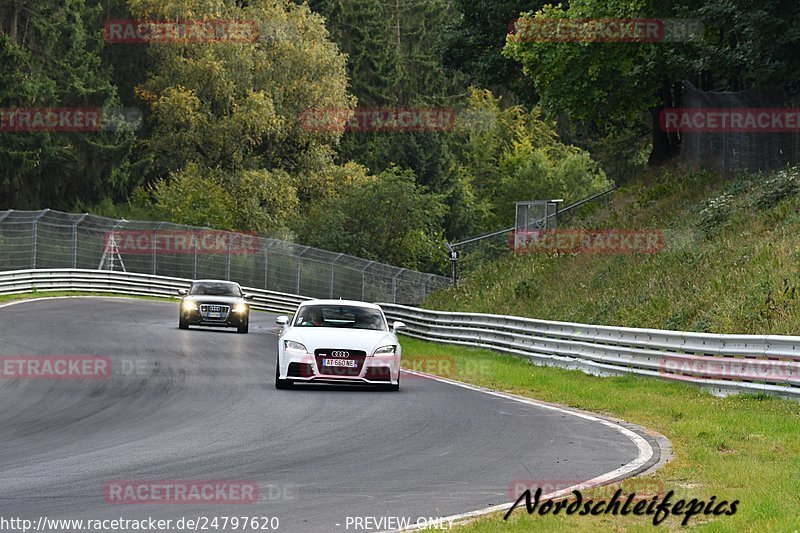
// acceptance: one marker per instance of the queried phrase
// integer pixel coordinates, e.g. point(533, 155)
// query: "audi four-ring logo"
point(340, 353)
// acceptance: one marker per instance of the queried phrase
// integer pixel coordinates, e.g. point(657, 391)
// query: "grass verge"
point(730, 264)
point(6, 298)
point(744, 447)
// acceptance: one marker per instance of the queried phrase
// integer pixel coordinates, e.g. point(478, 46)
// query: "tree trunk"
point(665, 145)
point(14, 23)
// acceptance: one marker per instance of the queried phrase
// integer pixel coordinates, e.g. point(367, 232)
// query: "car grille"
point(215, 308)
point(342, 354)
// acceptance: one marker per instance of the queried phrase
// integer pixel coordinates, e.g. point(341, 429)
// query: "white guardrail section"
point(725, 364)
point(129, 283)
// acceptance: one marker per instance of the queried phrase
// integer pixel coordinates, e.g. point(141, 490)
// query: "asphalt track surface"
point(201, 405)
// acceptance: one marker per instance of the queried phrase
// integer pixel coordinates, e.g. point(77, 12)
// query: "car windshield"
point(215, 289)
point(339, 316)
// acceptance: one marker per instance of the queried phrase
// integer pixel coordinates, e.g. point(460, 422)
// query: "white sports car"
point(338, 341)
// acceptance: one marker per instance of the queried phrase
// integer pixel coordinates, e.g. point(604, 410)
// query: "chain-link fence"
point(52, 239)
point(732, 149)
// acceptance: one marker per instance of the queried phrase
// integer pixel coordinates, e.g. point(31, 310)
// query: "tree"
point(516, 155)
point(50, 58)
point(235, 109)
point(388, 218)
point(617, 86)
point(471, 44)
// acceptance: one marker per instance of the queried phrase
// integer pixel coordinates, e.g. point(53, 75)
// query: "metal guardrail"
point(127, 283)
point(725, 364)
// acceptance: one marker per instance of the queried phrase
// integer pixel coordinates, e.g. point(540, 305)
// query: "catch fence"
point(52, 239)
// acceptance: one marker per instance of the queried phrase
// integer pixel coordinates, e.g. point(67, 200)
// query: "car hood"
point(354, 339)
point(202, 299)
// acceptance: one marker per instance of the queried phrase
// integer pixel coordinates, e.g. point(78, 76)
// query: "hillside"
point(730, 262)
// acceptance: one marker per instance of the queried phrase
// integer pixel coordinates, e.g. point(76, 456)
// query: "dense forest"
point(219, 138)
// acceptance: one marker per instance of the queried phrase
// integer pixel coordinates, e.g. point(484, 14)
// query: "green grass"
point(731, 263)
point(742, 447)
point(5, 298)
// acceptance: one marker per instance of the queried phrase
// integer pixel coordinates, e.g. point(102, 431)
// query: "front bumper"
point(231, 320)
point(373, 370)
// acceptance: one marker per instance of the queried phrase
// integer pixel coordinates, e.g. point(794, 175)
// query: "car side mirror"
point(282, 320)
point(248, 296)
point(398, 325)
point(183, 292)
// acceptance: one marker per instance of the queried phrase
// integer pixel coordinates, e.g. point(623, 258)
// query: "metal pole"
point(36, 237)
point(228, 260)
point(154, 245)
point(266, 266)
point(364, 279)
point(330, 276)
point(196, 239)
point(297, 277)
point(75, 240)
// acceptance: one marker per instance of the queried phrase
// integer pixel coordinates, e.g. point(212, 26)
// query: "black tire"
point(281, 384)
point(182, 324)
point(243, 328)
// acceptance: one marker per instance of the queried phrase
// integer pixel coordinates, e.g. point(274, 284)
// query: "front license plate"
point(214, 315)
point(338, 362)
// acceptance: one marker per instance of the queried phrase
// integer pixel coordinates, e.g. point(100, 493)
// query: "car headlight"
point(295, 346)
point(239, 307)
point(386, 350)
point(189, 305)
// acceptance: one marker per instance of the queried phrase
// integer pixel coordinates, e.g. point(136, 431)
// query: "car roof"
point(354, 303)
point(214, 281)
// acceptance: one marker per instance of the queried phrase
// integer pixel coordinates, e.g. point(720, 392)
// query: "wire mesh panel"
point(734, 148)
point(53, 239)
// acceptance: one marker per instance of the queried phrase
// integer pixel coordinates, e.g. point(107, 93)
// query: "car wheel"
point(243, 328)
point(282, 384)
point(182, 324)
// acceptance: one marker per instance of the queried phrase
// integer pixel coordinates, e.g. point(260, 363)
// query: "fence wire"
point(53, 239)
point(734, 152)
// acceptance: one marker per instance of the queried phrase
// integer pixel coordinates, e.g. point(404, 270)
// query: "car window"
point(215, 289)
point(339, 316)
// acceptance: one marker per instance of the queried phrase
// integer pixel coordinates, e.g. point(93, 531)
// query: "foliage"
point(50, 56)
point(388, 218)
point(511, 154)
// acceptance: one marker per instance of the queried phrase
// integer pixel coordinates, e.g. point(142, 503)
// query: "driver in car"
point(314, 318)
